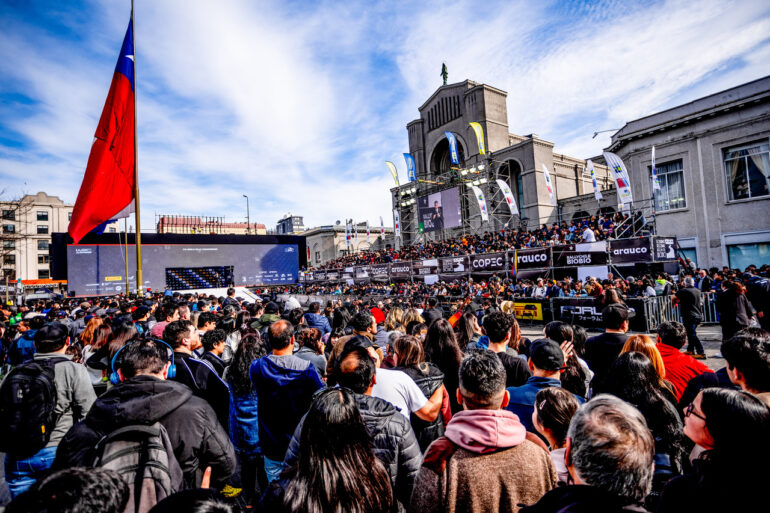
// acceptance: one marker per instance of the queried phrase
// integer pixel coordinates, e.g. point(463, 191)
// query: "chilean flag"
point(107, 191)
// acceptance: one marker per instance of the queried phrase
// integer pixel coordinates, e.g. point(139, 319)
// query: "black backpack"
point(144, 458)
point(27, 407)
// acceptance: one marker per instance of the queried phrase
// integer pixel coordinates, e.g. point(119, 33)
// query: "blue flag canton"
point(125, 65)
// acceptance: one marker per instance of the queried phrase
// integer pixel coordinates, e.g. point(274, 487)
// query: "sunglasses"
point(690, 410)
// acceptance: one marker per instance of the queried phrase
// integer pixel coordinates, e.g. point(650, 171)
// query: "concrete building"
point(326, 243)
point(289, 225)
point(206, 226)
point(516, 159)
point(26, 230)
point(713, 163)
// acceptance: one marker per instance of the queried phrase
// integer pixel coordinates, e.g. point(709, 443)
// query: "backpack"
point(27, 407)
point(144, 457)
point(22, 350)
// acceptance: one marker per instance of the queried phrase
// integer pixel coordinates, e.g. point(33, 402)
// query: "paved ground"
point(710, 336)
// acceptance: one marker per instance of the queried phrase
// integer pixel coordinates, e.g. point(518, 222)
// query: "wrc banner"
point(508, 197)
point(597, 192)
point(479, 194)
point(549, 185)
point(393, 171)
point(620, 176)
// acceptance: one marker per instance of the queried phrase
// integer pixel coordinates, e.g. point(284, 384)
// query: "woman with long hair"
point(244, 425)
point(633, 378)
point(394, 321)
point(732, 473)
point(468, 331)
point(735, 311)
point(232, 336)
point(86, 338)
point(554, 408)
point(410, 316)
point(645, 345)
point(441, 349)
point(99, 338)
point(336, 469)
point(408, 357)
point(341, 319)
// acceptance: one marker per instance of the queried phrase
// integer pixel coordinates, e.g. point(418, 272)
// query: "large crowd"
point(196, 403)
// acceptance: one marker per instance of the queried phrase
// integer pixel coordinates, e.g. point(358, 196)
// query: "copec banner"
point(573, 260)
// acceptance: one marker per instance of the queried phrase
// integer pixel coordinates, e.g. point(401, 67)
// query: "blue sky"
point(299, 104)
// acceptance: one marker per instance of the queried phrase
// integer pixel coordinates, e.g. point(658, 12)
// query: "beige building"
point(326, 243)
point(206, 226)
point(27, 225)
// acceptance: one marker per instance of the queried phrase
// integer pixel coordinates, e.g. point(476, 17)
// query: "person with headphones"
point(143, 394)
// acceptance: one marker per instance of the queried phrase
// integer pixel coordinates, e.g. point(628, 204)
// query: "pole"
point(248, 219)
point(139, 278)
point(125, 249)
point(6, 290)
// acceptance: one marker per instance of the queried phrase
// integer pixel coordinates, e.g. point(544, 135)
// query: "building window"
point(740, 256)
point(9, 244)
point(671, 178)
point(42, 229)
point(747, 171)
point(9, 259)
point(42, 245)
point(317, 256)
point(9, 215)
point(42, 215)
point(9, 228)
point(42, 259)
point(69, 216)
point(10, 273)
point(112, 230)
point(43, 274)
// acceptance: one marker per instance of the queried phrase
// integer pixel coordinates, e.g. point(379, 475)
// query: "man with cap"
point(140, 316)
point(546, 361)
point(381, 337)
point(74, 397)
point(269, 317)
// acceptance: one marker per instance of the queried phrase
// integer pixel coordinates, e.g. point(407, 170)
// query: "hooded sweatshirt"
point(485, 462)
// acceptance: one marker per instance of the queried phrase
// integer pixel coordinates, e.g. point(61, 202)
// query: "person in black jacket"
point(145, 396)
point(196, 374)
point(213, 346)
point(394, 442)
point(689, 299)
point(735, 311)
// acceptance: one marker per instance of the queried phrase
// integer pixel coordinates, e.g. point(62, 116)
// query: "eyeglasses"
point(690, 410)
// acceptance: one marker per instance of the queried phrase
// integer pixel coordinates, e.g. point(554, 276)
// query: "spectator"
point(409, 358)
point(748, 361)
point(574, 377)
point(442, 350)
point(602, 350)
point(433, 313)
point(704, 282)
point(732, 427)
point(680, 368)
point(314, 319)
point(498, 327)
point(311, 349)
point(609, 456)
point(734, 309)
point(381, 337)
point(758, 293)
point(392, 438)
point(168, 312)
point(285, 385)
point(74, 398)
point(213, 346)
point(554, 408)
point(335, 469)
point(145, 396)
point(244, 420)
point(485, 462)
point(645, 345)
point(468, 331)
point(689, 299)
point(546, 360)
point(23, 348)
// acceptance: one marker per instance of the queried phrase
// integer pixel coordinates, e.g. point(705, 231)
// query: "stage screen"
point(439, 210)
point(99, 269)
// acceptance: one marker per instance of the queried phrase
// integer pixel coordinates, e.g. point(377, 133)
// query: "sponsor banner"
point(528, 311)
point(487, 262)
point(620, 176)
point(536, 258)
point(453, 154)
point(362, 272)
point(479, 131)
point(393, 171)
point(425, 267)
point(400, 270)
point(597, 192)
point(627, 251)
point(332, 274)
point(411, 168)
point(309, 277)
point(664, 248)
point(396, 223)
point(379, 271)
point(586, 312)
point(570, 258)
point(549, 185)
point(319, 275)
point(458, 264)
point(346, 273)
point(508, 197)
point(479, 194)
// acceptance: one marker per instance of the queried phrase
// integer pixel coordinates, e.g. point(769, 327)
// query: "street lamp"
point(248, 219)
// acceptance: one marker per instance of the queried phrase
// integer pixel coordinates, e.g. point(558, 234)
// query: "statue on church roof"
point(444, 72)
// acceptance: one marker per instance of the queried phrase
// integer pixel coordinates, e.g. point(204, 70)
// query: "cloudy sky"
point(298, 104)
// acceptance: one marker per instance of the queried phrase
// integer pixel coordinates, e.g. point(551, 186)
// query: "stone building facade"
point(326, 243)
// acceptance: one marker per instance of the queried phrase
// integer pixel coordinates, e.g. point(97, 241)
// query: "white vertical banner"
point(396, 223)
point(655, 181)
point(347, 232)
point(620, 175)
point(382, 227)
point(482, 202)
point(367, 231)
point(549, 185)
point(597, 192)
point(508, 197)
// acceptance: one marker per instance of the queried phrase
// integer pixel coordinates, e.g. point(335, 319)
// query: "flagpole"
point(139, 279)
point(125, 249)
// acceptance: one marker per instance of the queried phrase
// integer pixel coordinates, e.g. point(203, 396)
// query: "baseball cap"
point(379, 315)
point(546, 354)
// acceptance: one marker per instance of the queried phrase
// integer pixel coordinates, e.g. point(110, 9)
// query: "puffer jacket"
point(318, 321)
point(23, 348)
point(394, 444)
point(428, 378)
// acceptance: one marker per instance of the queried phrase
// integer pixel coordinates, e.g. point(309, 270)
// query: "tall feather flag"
point(549, 185)
point(479, 131)
point(620, 175)
point(382, 227)
point(367, 231)
point(411, 167)
point(597, 192)
point(108, 187)
point(508, 197)
point(479, 194)
point(655, 181)
point(393, 171)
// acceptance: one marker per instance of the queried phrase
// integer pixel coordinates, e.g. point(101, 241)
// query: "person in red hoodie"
point(680, 368)
point(486, 461)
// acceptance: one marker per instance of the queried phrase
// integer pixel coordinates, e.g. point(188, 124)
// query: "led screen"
point(439, 210)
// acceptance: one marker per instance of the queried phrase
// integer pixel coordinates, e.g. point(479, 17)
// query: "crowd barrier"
point(648, 312)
